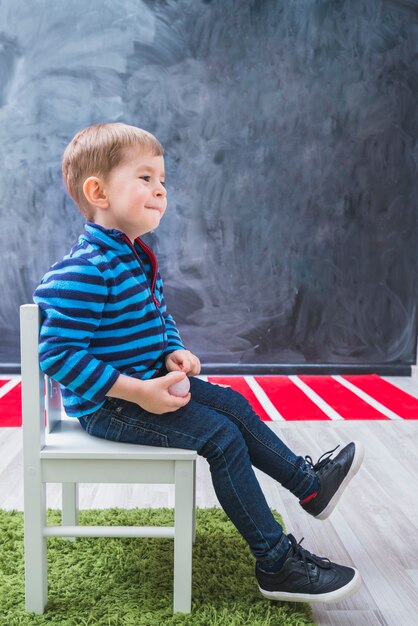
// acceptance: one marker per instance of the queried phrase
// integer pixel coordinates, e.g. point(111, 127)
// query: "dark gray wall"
point(290, 131)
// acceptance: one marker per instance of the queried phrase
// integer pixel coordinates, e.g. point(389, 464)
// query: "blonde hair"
point(96, 150)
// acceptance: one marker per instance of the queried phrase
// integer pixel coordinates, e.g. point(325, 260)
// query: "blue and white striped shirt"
point(103, 314)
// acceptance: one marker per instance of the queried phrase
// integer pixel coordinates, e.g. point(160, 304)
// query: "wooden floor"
point(374, 527)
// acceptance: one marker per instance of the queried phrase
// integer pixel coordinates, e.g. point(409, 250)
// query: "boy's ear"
point(95, 193)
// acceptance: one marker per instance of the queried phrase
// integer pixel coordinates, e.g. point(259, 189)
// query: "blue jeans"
point(220, 424)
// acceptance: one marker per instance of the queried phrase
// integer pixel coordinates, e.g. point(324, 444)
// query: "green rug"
point(129, 582)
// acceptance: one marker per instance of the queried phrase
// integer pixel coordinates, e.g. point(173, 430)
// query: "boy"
point(107, 338)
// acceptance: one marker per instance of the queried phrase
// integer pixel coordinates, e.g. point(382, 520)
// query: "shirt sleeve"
point(173, 336)
point(72, 296)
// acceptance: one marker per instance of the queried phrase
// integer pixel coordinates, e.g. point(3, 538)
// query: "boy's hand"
point(183, 361)
point(154, 396)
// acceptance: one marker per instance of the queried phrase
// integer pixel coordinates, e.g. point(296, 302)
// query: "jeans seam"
point(239, 499)
point(111, 425)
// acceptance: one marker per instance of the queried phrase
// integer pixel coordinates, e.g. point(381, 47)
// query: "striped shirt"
point(103, 314)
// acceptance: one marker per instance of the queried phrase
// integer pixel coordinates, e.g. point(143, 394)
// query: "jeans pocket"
point(98, 422)
point(135, 432)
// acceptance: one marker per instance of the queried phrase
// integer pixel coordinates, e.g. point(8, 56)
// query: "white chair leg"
point(70, 512)
point(35, 547)
point(183, 536)
point(194, 501)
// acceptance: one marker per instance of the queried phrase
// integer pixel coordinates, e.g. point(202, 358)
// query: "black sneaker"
point(334, 476)
point(305, 577)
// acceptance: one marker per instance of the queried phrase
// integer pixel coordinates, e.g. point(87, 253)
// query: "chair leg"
point(35, 547)
point(183, 536)
point(70, 512)
point(194, 501)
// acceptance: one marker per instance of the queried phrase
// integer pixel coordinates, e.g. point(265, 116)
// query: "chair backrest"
point(41, 395)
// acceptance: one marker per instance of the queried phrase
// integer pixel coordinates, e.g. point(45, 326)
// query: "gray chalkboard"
point(290, 130)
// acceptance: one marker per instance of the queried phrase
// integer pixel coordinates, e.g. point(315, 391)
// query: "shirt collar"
point(105, 237)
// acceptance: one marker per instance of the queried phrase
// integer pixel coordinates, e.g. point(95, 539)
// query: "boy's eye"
point(163, 183)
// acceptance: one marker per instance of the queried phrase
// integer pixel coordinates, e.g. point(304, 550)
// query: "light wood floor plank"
point(352, 618)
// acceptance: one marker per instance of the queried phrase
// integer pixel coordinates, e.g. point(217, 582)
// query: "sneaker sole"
point(330, 596)
point(355, 466)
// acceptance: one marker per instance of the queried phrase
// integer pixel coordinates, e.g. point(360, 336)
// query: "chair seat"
point(68, 440)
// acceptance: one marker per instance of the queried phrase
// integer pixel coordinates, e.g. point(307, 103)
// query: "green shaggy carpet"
point(129, 582)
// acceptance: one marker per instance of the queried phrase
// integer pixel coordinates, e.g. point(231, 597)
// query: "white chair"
point(58, 450)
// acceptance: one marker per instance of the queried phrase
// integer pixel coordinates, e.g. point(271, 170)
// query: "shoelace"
point(321, 462)
point(307, 557)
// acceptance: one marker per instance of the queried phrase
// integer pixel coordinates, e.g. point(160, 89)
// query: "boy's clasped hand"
point(183, 361)
point(155, 396)
point(187, 362)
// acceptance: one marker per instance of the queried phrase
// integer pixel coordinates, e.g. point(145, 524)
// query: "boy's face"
point(136, 196)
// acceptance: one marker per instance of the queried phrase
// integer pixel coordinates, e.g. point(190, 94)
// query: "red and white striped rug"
point(291, 398)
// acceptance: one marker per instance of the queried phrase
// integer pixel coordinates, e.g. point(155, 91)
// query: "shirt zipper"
point(150, 254)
